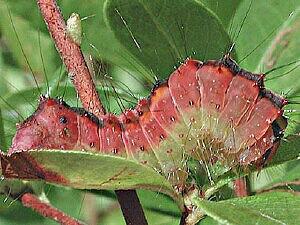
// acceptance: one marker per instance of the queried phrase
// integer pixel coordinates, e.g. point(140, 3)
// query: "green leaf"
point(270, 208)
point(2, 134)
point(288, 150)
point(22, 97)
point(225, 10)
point(30, 39)
point(275, 175)
point(70, 201)
point(258, 26)
point(208, 221)
point(21, 8)
point(11, 211)
point(160, 34)
point(159, 203)
point(292, 172)
point(84, 170)
point(284, 49)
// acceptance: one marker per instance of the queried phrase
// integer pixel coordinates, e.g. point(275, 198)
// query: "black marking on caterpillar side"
point(122, 126)
point(191, 103)
point(162, 137)
point(158, 84)
point(230, 64)
point(91, 116)
point(237, 70)
point(278, 130)
point(274, 98)
point(115, 151)
point(140, 113)
point(266, 156)
point(257, 78)
point(92, 144)
point(63, 120)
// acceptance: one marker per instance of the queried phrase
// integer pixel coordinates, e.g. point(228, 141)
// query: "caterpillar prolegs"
point(210, 111)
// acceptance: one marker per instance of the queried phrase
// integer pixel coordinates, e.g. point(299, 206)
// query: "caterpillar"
point(211, 111)
point(195, 114)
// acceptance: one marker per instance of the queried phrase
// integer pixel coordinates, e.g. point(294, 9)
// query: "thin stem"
point(240, 187)
point(183, 217)
point(31, 201)
point(129, 202)
point(72, 57)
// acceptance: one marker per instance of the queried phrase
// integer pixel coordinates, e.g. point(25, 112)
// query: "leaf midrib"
point(161, 29)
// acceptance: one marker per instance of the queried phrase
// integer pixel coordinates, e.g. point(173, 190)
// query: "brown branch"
point(31, 201)
point(183, 218)
point(240, 187)
point(72, 57)
point(129, 202)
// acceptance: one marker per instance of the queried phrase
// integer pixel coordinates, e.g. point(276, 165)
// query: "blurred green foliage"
point(167, 32)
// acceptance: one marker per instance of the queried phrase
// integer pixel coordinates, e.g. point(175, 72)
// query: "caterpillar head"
point(53, 125)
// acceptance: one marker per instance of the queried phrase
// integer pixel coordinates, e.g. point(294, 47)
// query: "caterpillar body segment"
point(211, 111)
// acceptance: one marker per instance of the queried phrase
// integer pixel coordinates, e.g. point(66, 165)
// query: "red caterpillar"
point(212, 111)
